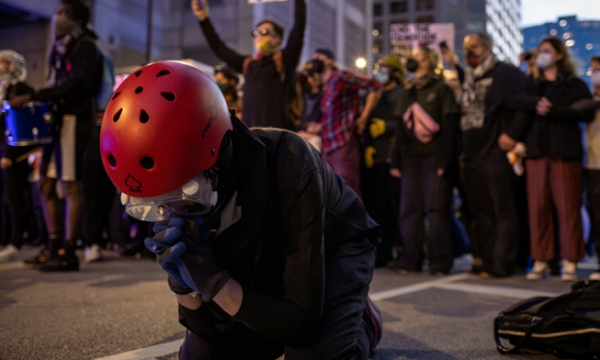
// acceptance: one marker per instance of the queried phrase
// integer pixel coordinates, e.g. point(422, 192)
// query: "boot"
point(66, 260)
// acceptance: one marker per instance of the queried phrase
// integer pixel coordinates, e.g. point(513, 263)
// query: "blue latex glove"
point(184, 252)
point(168, 247)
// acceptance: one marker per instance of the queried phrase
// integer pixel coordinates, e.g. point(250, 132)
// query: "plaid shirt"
point(341, 106)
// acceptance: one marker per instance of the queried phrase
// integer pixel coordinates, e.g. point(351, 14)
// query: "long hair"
point(566, 67)
point(431, 56)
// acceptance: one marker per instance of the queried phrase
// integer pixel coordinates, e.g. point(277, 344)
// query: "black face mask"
point(411, 65)
point(318, 66)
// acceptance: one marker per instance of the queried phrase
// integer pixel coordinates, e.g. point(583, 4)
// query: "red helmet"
point(162, 127)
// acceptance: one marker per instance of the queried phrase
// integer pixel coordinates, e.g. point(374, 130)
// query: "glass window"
point(398, 7)
point(475, 26)
point(377, 46)
point(476, 7)
point(377, 26)
point(377, 10)
point(425, 19)
point(425, 5)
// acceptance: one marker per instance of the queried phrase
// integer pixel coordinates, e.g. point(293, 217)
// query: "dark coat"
point(296, 214)
point(558, 134)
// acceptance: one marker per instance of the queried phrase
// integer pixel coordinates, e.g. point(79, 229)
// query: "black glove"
point(200, 264)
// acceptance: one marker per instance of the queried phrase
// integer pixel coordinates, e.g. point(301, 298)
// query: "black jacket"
point(296, 213)
point(503, 99)
point(558, 134)
point(14, 152)
point(81, 76)
point(387, 110)
point(439, 101)
point(265, 102)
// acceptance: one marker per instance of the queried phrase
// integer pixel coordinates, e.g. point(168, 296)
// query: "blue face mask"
point(383, 77)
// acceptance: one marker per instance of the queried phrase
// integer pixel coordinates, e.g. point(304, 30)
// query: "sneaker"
point(373, 314)
point(92, 253)
point(539, 271)
point(595, 276)
point(62, 262)
point(10, 252)
point(569, 271)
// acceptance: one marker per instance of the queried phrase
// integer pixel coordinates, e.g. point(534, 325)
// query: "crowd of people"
point(404, 169)
point(506, 146)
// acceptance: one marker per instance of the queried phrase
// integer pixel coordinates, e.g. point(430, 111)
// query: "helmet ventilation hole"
point(144, 116)
point(163, 73)
point(137, 73)
point(115, 95)
point(117, 115)
point(168, 96)
point(147, 162)
point(139, 89)
point(112, 161)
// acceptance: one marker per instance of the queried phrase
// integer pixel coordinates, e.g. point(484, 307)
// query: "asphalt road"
point(119, 307)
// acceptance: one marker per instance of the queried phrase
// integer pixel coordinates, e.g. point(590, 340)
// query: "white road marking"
point(516, 293)
point(387, 294)
point(104, 279)
point(149, 353)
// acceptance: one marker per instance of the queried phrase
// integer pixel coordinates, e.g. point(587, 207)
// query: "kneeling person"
point(268, 251)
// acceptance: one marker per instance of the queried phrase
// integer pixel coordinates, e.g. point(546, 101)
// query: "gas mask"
point(63, 26)
point(197, 197)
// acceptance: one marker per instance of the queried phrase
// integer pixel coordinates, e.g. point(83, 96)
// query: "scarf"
point(474, 91)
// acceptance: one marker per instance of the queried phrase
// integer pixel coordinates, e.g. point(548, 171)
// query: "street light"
point(361, 63)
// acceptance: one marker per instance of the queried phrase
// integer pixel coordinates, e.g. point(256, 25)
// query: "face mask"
point(63, 26)
point(318, 66)
point(265, 45)
point(544, 61)
point(412, 65)
point(383, 77)
point(473, 59)
point(596, 78)
point(222, 86)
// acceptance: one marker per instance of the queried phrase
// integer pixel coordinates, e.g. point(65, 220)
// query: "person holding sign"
point(269, 74)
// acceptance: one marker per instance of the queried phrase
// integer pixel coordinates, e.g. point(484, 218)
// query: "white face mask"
point(544, 61)
point(596, 78)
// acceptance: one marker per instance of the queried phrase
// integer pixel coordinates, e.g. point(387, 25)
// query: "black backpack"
point(567, 326)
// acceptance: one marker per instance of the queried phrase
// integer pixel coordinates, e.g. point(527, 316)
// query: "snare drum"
point(28, 125)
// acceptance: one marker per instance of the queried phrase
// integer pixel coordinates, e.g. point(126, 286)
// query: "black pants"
point(5, 227)
point(345, 333)
point(424, 193)
point(593, 193)
point(99, 192)
point(491, 191)
point(381, 195)
point(18, 190)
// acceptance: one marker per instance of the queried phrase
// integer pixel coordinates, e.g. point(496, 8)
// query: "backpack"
point(107, 84)
point(567, 326)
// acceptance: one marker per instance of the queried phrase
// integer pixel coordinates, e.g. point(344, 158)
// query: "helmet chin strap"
point(224, 184)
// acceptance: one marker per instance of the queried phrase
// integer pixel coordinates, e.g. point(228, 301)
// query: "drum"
point(28, 125)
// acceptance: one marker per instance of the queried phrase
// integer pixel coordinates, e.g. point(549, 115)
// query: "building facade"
point(134, 32)
point(499, 18)
point(582, 37)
